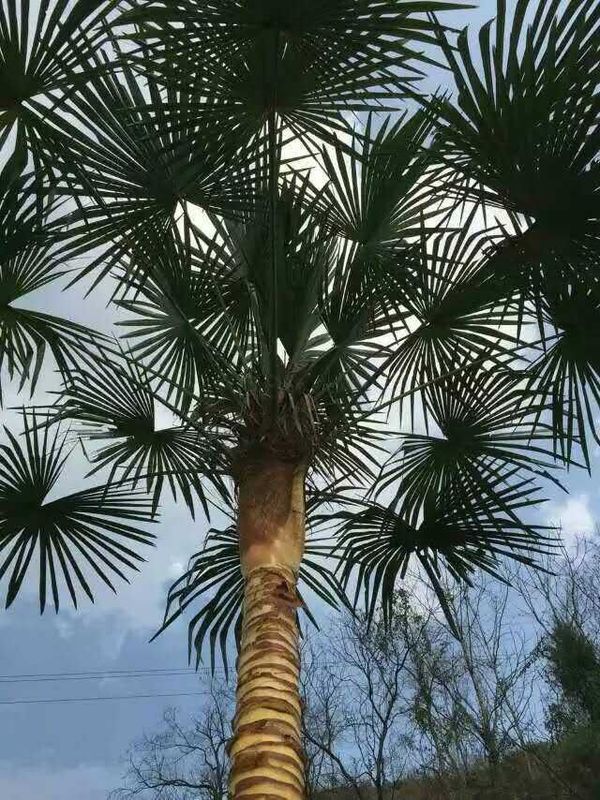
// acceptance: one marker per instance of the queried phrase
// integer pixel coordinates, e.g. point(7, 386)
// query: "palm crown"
point(303, 248)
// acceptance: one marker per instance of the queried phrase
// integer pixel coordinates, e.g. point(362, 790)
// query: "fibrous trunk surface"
point(266, 751)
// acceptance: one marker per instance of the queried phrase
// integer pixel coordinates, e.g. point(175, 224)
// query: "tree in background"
point(184, 761)
point(475, 692)
point(564, 602)
point(357, 697)
point(574, 668)
point(403, 710)
point(299, 252)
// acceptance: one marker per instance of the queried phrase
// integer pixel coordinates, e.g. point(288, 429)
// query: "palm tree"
point(309, 252)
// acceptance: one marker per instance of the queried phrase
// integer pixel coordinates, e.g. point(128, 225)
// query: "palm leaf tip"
point(75, 540)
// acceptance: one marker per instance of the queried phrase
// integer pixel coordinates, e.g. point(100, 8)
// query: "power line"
point(95, 699)
point(62, 676)
point(114, 675)
point(34, 677)
point(42, 677)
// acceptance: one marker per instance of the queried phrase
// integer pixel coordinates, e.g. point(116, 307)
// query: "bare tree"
point(385, 700)
point(564, 602)
point(474, 690)
point(326, 724)
point(567, 590)
point(358, 697)
point(183, 761)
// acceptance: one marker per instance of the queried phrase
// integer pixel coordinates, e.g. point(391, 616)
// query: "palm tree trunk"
point(266, 751)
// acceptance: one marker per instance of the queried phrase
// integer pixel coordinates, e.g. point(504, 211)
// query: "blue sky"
point(63, 750)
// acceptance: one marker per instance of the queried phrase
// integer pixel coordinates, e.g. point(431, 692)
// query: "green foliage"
point(113, 400)
point(524, 131)
point(138, 151)
point(43, 57)
point(463, 529)
point(29, 260)
point(566, 374)
point(92, 531)
point(485, 428)
point(525, 137)
point(574, 668)
point(307, 60)
point(299, 262)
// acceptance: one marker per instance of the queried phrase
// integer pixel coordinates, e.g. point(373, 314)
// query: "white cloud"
point(85, 782)
point(574, 517)
point(176, 569)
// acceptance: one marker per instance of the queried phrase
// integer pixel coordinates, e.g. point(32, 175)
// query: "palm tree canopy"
point(313, 261)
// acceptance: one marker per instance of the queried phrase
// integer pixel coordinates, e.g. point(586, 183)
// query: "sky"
point(71, 748)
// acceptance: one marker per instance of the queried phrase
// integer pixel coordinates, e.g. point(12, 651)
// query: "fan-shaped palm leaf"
point(28, 261)
point(487, 424)
point(458, 313)
point(304, 258)
point(307, 60)
point(380, 189)
point(114, 401)
point(567, 373)
point(375, 201)
point(138, 155)
point(461, 531)
point(526, 132)
point(183, 329)
point(74, 538)
point(43, 57)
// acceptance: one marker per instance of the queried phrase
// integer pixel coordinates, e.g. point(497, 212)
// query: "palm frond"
point(526, 130)
point(307, 60)
point(304, 256)
point(488, 422)
point(29, 259)
point(136, 154)
point(44, 56)
point(214, 578)
point(111, 399)
point(566, 375)
point(382, 187)
point(183, 328)
point(75, 539)
point(457, 312)
point(461, 531)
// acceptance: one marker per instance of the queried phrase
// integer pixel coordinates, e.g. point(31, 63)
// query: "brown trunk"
point(266, 751)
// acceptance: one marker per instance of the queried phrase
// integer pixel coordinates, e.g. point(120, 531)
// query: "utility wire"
point(43, 677)
point(95, 699)
point(100, 675)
